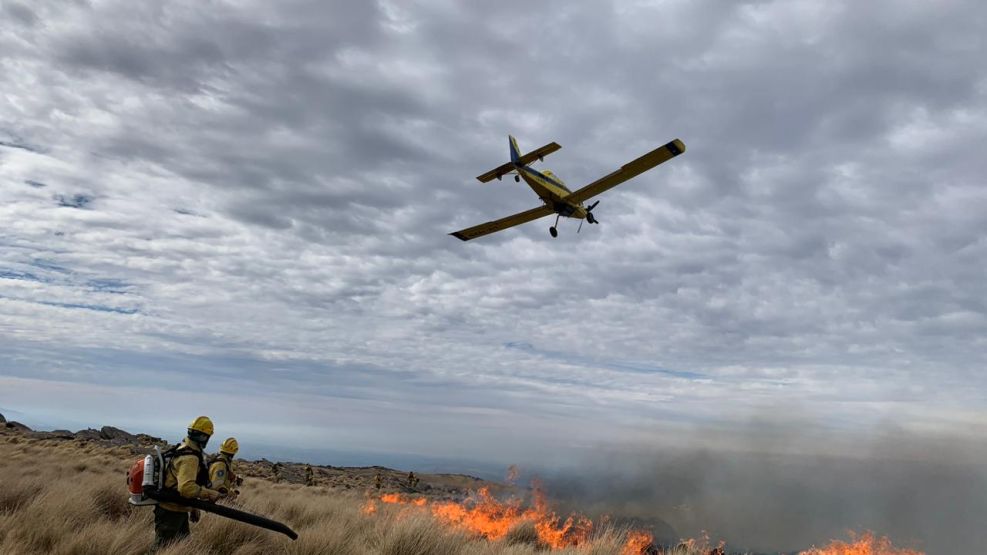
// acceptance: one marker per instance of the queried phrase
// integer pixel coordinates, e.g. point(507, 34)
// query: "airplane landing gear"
point(553, 231)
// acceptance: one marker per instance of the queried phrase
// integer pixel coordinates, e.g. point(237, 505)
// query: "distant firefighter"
point(221, 475)
point(412, 480)
point(185, 473)
point(309, 476)
point(378, 480)
point(276, 470)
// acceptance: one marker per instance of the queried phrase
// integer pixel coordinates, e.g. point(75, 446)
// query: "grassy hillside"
point(68, 497)
point(65, 494)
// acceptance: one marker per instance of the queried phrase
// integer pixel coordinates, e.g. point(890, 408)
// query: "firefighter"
point(309, 476)
point(186, 474)
point(221, 475)
point(378, 480)
point(412, 480)
point(276, 470)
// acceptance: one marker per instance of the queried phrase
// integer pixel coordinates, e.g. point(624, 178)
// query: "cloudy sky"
point(241, 209)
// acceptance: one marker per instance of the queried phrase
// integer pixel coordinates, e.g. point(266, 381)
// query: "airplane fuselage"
point(552, 191)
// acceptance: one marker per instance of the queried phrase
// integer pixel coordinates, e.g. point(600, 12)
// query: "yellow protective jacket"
point(221, 476)
point(183, 476)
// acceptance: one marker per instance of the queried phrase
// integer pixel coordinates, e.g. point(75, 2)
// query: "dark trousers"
point(169, 526)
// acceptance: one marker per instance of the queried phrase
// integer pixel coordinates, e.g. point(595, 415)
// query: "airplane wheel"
point(517, 178)
point(553, 231)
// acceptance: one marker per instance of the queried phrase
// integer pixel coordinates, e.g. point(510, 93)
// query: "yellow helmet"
point(202, 424)
point(229, 446)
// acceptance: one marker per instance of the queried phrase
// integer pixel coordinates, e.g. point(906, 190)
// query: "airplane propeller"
point(589, 213)
point(589, 216)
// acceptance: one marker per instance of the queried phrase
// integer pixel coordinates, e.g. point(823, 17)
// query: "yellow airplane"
point(557, 198)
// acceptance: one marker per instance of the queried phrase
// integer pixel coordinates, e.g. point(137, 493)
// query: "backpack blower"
point(145, 481)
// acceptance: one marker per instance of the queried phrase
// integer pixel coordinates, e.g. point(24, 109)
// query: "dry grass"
point(67, 498)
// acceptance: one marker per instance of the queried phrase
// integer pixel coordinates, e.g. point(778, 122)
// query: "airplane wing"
point(496, 172)
point(503, 223)
point(629, 170)
point(528, 158)
point(539, 153)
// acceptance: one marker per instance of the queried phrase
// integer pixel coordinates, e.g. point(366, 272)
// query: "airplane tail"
point(517, 159)
point(515, 151)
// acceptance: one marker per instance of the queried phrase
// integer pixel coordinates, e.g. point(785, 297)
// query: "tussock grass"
point(524, 533)
point(70, 498)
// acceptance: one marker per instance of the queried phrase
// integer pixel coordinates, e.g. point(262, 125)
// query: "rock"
point(150, 440)
point(2, 419)
point(49, 435)
point(56, 435)
point(88, 434)
point(11, 425)
point(111, 433)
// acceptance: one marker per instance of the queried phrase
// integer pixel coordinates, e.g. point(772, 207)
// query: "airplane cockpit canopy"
point(556, 178)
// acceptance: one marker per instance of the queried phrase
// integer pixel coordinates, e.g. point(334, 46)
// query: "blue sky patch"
point(21, 276)
point(109, 285)
point(49, 265)
point(620, 366)
point(21, 145)
point(73, 201)
point(96, 307)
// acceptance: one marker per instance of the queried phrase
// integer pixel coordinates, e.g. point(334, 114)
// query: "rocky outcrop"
point(107, 436)
point(63, 435)
point(145, 439)
point(116, 435)
point(88, 434)
point(12, 425)
point(2, 419)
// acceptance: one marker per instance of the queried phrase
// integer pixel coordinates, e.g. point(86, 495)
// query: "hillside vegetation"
point(68, 497)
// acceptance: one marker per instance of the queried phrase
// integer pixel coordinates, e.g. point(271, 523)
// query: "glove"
point(194, 516)
point(211, 495)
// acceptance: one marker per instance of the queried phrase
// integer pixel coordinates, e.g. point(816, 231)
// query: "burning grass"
point(510, 522)
point(69, 498)
point(862, 544)
point(483, 515)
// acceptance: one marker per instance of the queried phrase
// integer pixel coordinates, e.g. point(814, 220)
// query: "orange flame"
point(392, 498)
point(637, 542)
point(865, 544)
point(484, 515)
point(398, 499)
